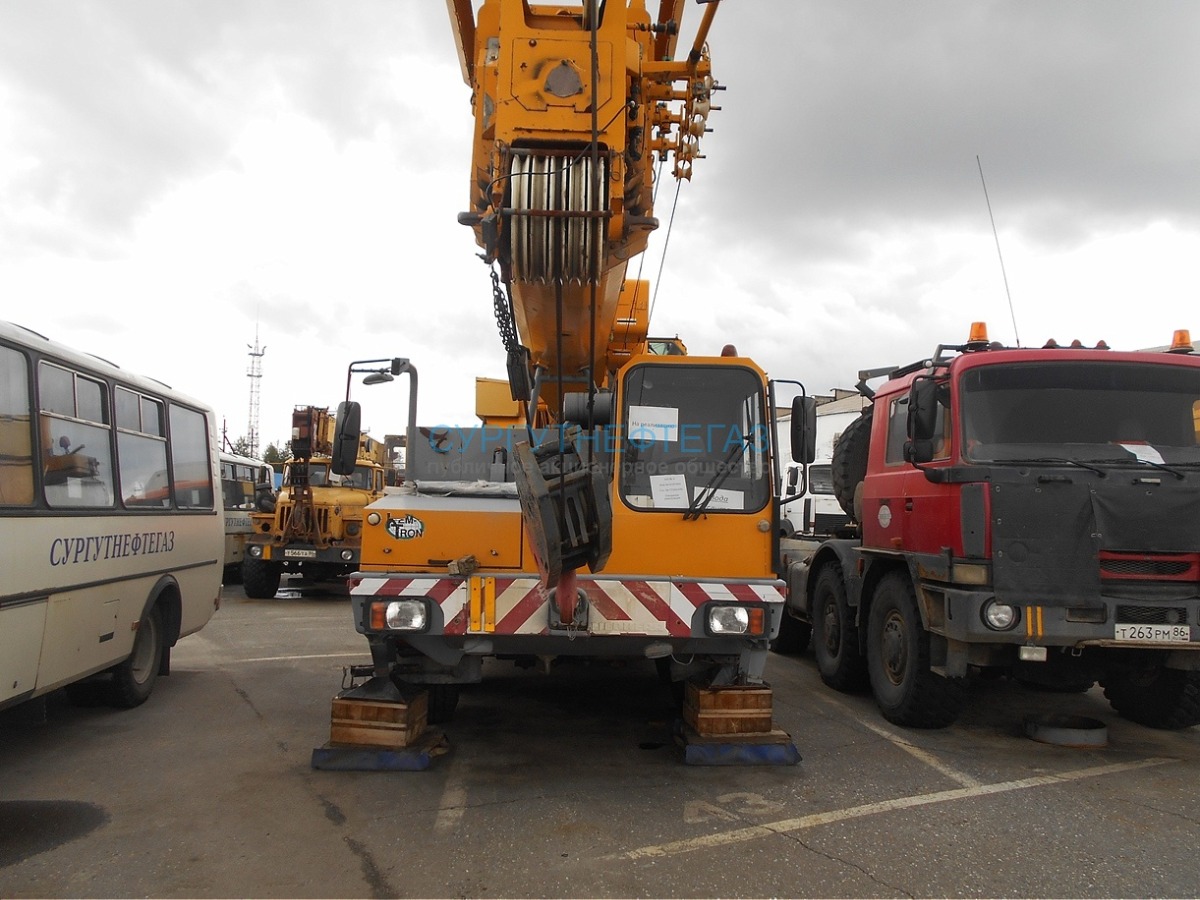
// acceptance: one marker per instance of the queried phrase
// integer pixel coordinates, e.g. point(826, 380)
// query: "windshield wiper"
point(1068, 461)
point(706, 494)
point(1157, 465)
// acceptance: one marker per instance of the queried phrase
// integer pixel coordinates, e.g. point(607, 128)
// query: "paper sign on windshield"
point(669, 491)
point(1144, 452)
point(723, 499)
point(650, 424)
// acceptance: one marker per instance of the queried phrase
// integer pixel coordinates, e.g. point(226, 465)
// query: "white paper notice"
point(648, 424)
point(1144, 452)
point(724, 499)
point(669, 491)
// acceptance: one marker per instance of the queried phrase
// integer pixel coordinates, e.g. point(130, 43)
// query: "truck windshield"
point(1081, 411)
point(694, 438)
point(318, 475)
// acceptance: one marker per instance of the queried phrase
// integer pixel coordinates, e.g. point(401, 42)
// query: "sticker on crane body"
point(405, 529)
point(885, 515)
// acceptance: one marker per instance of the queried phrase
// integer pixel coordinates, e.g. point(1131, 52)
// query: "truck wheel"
point(835, 634)
point(849, 464)
point(1154, 695)
point(133, 679)
point(793, 637)
point(906, 690)
point(443, 700)
point(260, 578)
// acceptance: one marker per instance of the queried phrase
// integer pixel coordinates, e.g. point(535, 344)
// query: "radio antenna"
point(996, 235)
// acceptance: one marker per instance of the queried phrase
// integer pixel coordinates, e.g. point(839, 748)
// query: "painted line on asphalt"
point(923, 755)
point(452, 805)
point(785, 826)
point(258, 659)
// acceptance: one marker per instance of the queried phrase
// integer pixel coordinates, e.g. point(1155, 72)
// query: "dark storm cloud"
point(843, 116)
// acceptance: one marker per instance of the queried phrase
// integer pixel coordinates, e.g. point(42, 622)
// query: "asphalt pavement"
point(571, 785)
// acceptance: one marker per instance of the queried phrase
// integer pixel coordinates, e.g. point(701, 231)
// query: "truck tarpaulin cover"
point(1046, 537)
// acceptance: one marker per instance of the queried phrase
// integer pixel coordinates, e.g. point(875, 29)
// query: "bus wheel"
point(260, 579)
point(133, 680)
point(835, 634)
point(906, 690)
point(1153, 695)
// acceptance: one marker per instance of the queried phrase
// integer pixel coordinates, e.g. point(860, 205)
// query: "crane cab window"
point(694, 435)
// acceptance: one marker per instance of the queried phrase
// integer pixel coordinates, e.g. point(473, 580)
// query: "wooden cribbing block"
point(357, 722)
point(732, 709)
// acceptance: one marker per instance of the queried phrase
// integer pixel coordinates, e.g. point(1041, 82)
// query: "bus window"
point(16, 444)
point(73, 420)
point(190, 463)
point(142, 454)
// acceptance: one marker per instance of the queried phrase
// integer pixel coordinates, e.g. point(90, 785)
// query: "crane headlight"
point(742, 618)
point(404, 614)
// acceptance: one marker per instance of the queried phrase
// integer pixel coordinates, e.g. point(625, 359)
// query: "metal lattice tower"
point(255, 375)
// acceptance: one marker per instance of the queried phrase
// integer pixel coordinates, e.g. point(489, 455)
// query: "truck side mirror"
point(793, 478)
point(346, 432)
point(804, 430)
point(922, 420)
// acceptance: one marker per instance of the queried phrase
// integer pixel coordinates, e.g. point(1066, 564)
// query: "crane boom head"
point(574, 107)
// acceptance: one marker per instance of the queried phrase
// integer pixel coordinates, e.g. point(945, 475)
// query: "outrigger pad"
point(769, 748)
point(415, 758)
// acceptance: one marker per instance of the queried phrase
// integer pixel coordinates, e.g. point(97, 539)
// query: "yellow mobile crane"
point(631, 457)
point(313, 528)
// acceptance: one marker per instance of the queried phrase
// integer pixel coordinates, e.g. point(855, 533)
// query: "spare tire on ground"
point(850, 461)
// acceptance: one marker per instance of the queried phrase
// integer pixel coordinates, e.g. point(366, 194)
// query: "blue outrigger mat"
point(770, 748)
point(347, 758)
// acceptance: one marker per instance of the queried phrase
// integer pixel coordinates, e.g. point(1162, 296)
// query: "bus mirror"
point(346, 434)
point(804, 429)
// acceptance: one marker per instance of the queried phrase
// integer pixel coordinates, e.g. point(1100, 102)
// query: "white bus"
point(243, 481)
point(112, 530)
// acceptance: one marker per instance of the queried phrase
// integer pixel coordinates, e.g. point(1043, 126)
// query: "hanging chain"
point(506, 320)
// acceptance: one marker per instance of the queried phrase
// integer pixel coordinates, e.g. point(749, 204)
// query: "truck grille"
point(1150, 566)
point(296, 524)
point(1151, 615)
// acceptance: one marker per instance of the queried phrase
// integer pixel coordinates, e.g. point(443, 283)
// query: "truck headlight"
point(999, 616)
point(740, 619)
point(399, 615)
point(347, 555)
point(255, 550)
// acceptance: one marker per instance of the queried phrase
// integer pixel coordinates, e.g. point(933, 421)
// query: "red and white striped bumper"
point(503, 605)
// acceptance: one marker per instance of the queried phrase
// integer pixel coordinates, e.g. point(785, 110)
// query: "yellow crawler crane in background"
point(611, 450)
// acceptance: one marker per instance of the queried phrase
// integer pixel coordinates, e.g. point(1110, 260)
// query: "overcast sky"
point(176, 175)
